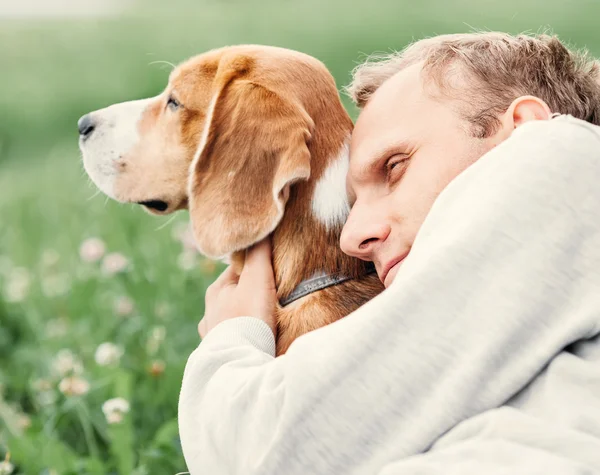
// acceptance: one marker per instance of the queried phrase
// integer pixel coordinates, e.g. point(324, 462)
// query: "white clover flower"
point(157, 335)
point(6, 468)
point(179, 229)
point(56, 285)
point(50, 258)
point(114, 417)
point(108, 354)
point(24, 422)
point(46, 398)
point(56, 328)
point(17, 286)
point(188, 241)
point(41, 385)
point(66, 362)
point(114, 263)
point(124, 306)
point(187, 260)
point(92, 250)
point(161, 309)
point(114, 409)
point(73, 386)
point(183, 233)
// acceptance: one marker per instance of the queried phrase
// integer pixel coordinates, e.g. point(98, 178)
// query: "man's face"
point(406, 147)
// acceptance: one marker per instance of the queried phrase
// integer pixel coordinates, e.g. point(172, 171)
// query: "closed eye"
point(392, 165)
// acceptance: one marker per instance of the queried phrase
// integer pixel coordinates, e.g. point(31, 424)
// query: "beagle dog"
point(253, 140)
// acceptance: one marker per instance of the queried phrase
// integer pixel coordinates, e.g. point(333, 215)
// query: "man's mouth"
point(389, 267)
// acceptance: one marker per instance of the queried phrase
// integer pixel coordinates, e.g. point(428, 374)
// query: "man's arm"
point(504, 273)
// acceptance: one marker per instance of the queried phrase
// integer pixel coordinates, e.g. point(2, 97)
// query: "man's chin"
point(389, 278)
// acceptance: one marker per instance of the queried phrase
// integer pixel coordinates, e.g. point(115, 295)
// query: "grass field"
point(62, 295)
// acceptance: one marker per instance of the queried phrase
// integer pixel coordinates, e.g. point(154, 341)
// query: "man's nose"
point(362, 233)
point(86, 126)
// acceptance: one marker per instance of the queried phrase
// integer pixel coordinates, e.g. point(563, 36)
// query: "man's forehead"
point(397, 98)
point(399, 87)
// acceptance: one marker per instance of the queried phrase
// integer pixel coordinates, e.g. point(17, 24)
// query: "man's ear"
point(253, 148)
point(521, 110)
point(526, 108)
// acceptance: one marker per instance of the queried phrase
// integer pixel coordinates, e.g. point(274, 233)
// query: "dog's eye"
point(173, 104)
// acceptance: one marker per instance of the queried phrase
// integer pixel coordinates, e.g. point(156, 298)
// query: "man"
point(480, 212)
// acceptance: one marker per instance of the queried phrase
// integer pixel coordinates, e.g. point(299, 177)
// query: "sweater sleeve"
point(504, 273)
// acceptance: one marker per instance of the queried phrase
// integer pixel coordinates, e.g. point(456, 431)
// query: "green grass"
point(47, 221)
point(55, 71)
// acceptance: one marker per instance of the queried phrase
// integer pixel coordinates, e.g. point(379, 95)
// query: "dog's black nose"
point(86, 126)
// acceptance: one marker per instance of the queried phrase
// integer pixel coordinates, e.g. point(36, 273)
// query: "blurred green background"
point(137, 284)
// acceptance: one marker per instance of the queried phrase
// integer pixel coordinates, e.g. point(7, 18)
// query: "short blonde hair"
point(493, 69)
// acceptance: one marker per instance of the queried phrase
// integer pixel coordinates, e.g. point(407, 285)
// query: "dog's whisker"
point(162, 62)
point(166, 223)
point(96, 193)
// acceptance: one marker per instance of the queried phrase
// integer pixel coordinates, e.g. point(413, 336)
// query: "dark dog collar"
point(319, 282)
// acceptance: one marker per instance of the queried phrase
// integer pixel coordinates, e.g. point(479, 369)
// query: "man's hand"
point(252, 294)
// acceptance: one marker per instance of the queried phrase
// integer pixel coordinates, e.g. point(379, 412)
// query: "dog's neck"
point(307, 240)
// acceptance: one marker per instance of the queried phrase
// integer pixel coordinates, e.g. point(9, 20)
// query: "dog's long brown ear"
point(254, 147)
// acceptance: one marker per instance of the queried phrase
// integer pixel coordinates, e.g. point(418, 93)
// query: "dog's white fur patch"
point(330, 199)
point(115, 133)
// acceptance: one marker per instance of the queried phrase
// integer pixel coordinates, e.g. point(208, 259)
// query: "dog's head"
point(227, 138)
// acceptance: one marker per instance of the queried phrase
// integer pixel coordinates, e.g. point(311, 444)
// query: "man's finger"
point(227, 277)
point(258, 267)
